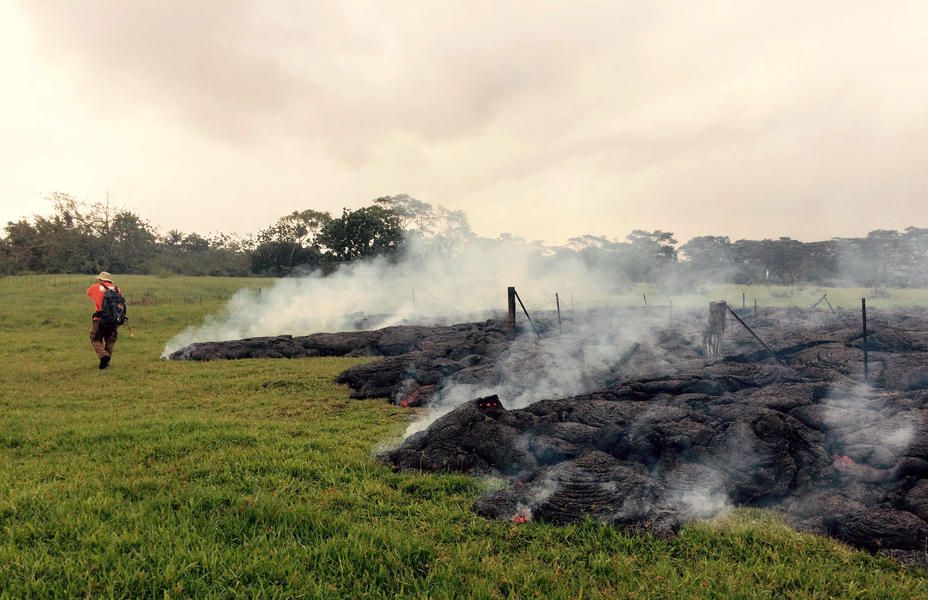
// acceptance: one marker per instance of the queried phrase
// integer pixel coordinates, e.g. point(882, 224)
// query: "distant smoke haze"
point(464, 284)
point(426, 286)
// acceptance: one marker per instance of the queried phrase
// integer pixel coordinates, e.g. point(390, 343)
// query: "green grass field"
point(773, 295)
point(256, 478)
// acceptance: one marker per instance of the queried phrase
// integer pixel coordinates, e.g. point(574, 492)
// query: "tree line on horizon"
point(87, 238)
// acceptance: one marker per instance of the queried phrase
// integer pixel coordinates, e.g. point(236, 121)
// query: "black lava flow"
point(666, 434)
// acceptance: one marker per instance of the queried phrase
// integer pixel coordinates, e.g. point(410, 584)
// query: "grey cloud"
point(193, 59)
point(646, 107)
point(328, 69)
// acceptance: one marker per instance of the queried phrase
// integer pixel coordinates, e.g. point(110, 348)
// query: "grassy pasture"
point(773, 295)
point(255, 478)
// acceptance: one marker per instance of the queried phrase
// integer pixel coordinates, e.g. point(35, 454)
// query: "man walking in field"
point(110, 314)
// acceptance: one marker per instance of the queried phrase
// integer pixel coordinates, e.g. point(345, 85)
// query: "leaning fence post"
point(819, 301)
point(557, 302)
point(527, 316)
point(511, 311)
point(863, 314)
point(756, 337)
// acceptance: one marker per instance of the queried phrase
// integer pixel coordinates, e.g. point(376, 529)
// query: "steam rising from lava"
point(588, 354)
point(428, 285)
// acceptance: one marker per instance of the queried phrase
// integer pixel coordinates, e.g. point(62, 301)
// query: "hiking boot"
point(104, 362)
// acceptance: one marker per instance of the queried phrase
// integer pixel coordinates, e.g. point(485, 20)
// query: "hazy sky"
point(544, 119)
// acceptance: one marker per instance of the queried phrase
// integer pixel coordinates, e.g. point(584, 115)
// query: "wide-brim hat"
point(104, 276)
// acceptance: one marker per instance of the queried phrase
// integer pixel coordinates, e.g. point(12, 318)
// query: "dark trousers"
point(103, 339)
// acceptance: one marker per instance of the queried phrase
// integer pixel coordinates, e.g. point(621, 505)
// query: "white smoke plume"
point(867, 427)
point(702, 489)
point(541, 491)
point(697, 492)
point(463, 284)
point(426, 286)
point(585, 358)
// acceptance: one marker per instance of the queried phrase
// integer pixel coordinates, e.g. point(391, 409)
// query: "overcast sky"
point(544, 119)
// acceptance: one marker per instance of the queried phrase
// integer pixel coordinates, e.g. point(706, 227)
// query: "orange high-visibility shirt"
point(96, 292)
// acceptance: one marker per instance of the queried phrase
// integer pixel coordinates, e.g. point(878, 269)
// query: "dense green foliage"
point(256, 478)
point(79, 238)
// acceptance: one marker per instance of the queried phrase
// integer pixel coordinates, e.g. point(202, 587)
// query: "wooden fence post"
point(527, 316)
point(863, 315)
point(511, 311)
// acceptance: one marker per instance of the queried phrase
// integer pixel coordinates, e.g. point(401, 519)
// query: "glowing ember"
point(843, 462)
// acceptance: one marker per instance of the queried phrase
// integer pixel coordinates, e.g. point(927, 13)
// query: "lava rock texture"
point(416, 359)
point(664, 434)
point(666, 443)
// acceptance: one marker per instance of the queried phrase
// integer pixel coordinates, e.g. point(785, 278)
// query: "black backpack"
point(112, 313)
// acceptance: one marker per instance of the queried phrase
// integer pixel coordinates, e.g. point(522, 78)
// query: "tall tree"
point(652, 252)
point(291, 242)
point(709, 257)
point(365, 232)
point(132, 245)
point(442, 229)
